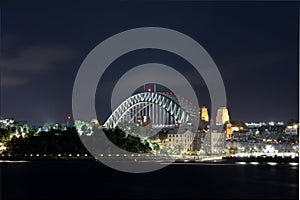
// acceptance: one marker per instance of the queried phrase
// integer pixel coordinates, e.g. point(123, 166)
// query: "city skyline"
point(257, 55)
point(188, 97)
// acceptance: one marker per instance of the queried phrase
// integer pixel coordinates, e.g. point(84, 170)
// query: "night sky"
point(254, 45)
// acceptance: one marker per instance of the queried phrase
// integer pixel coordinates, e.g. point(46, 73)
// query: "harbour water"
point(93, 180)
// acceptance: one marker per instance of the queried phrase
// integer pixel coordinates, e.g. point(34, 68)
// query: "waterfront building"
point(272, 128)
point(292, 130)
point(214, 142)
point(243, 135)
point(198, 141)
point(180, 141)
point(172, 138)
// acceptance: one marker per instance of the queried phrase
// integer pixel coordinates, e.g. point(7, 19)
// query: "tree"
point(20, 130)
point(4, 134)
point(47, 126)
point(238, 123)
point(126, 141)
point(12, 129)
point(292, 122)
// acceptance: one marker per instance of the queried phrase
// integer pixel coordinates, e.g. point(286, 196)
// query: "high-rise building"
point(222, 116)
point(204, 114)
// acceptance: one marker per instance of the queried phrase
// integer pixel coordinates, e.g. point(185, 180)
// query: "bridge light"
point(149, 89)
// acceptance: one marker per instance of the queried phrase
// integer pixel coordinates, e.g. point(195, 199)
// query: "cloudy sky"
point(254, 45)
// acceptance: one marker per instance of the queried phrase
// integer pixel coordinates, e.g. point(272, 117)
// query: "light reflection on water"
point(13, 161)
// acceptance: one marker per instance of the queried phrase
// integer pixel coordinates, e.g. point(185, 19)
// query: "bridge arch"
point(174, 110)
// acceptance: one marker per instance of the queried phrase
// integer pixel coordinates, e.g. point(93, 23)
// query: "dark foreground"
point(92, 180)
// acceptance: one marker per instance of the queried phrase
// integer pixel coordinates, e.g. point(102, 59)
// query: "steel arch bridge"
point(163, 109)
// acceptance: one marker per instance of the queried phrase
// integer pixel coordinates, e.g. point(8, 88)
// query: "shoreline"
point(224, 159)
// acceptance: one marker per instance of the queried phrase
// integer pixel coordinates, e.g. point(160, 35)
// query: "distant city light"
point(295, 126)
point(271, 123)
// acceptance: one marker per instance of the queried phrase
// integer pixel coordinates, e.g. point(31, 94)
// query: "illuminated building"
point(197, 141)
point(292, 130)
point(222, 116)
point(204, 114)
point(228, 130)
point(243, 135)
point(181, 141)
point(214, 142)
point(236, 128)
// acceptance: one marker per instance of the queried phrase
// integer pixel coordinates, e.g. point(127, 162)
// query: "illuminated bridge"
point(158, 109)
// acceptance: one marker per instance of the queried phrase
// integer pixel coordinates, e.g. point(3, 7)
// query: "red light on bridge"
point(69, 117)
point(149, 89)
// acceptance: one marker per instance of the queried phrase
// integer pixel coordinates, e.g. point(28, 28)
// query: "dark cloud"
point(10, 81)
point(18, 67)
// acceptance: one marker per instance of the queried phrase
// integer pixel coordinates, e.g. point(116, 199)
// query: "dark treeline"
point(129, 142)
point(68, 142)
point(50, 142)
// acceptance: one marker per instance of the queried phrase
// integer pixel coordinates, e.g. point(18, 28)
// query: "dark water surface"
point(87, 179)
